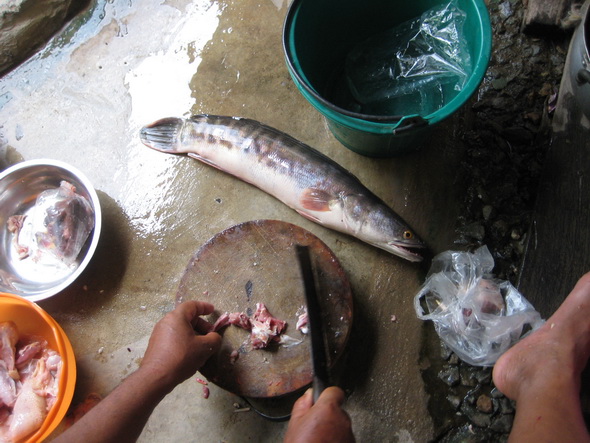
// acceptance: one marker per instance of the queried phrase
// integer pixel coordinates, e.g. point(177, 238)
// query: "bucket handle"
point(583, 76)
point(411, 122)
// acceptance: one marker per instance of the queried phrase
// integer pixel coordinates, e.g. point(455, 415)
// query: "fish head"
point(163, 135)
point(409, 247)
point(382, 227)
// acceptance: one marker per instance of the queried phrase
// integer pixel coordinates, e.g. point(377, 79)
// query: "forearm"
point(122, 415)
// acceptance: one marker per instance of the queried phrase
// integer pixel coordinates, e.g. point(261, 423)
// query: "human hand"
point(320, 422)
point(176, 350)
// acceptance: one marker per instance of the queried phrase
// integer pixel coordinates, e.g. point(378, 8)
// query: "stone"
point(468, 377)
point(495, 393)
point(454, 359)
point(542, 16)
point(445, 351)
point(450, 375)
point(455, 401)
point(473, 230)
point(487, 212)
point(484, 404)
point(25, 25)
point(484, 375)
point(502, 423)
point(477, 418)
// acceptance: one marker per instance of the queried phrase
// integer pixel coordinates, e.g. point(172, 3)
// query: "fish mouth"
point(411, 253)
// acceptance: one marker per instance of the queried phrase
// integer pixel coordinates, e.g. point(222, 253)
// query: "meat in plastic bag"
point(58, 225)
point(477, 316)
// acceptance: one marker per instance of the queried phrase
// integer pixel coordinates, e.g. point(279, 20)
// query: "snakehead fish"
point(301, 177)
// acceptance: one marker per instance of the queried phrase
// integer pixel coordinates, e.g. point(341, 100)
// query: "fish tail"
point(162, 135)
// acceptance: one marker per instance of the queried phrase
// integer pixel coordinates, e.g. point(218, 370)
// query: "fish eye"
point(408, 235)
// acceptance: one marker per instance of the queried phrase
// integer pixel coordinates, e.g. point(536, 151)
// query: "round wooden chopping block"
point(256, 262)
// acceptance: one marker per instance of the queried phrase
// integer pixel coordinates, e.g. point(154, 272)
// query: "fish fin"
point(309, 217)
point(204, 160)
point(316, 200)
point(216, 166)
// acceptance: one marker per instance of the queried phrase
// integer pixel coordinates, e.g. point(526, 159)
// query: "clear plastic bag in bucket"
point(413, 68)
point(476, 315)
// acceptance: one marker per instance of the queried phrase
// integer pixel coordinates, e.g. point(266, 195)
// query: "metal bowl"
point(19, 187)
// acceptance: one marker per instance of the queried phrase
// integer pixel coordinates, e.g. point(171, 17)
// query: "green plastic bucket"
point(318, 35)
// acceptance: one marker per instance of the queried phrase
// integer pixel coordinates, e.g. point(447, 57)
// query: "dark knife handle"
point(321, 376)
point(318, 386)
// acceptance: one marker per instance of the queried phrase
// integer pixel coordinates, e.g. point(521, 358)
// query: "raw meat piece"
point(30, 408)
point(235, 318)
point(263, 326)
point(302, 320)
point(7, 387)
point(15, 224)
point(28, 352)
point(29, 388)
point(68, 220)
point(8, 340)
point(241, 320)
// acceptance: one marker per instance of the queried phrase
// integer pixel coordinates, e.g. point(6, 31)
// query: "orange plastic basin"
point(31, 320)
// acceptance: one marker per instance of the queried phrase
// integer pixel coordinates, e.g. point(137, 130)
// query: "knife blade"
point(321, 375)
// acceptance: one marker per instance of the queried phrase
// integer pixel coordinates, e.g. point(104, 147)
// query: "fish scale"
point(301, 177)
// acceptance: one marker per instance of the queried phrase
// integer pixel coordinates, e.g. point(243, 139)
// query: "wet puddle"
point(93, 87)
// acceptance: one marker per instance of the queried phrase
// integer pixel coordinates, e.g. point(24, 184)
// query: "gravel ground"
point(505, 148)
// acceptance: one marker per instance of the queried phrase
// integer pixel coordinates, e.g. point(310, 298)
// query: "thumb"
point(302, 405)
point(332, 394)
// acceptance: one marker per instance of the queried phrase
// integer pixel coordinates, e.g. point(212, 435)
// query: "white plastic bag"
point(477, 316)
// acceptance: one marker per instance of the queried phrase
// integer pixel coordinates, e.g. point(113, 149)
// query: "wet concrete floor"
point(121, 65)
